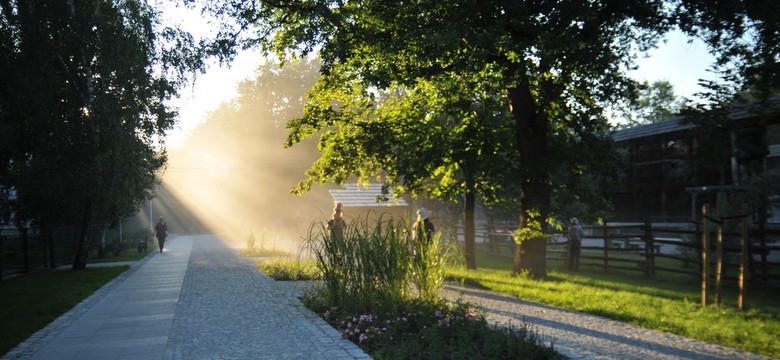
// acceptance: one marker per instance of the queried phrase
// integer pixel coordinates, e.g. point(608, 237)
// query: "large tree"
point(447, 138)
point(559, 62)
point(83, 108)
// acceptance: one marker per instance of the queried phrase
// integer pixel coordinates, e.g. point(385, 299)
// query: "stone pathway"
point(197, 300)
point(583, 336)
point(200, 299)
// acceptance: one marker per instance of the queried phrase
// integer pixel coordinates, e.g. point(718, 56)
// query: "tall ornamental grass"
point(375, 264)
point(429, 267)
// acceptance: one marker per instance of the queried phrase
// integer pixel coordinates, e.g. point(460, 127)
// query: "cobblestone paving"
point(228, 309)
point(197, 300)
point(219, 306)
point(582, 336)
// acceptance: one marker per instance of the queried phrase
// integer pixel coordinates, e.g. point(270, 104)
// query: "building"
point(674, 166)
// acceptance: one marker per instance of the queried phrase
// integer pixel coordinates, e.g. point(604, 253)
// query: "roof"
point(354, 195)
point(678, 124)
point(656, 128)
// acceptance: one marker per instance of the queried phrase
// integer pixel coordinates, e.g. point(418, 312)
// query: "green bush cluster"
point(376, 264)
point(380, 289)
point(437, 330)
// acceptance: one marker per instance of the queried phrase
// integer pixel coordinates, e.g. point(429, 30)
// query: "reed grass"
point(368, 266)
point(380, 289)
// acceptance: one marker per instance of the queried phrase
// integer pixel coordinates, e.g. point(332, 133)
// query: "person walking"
point(336, 224)
point(161, 231)
point(423, 228)
point(575, 244)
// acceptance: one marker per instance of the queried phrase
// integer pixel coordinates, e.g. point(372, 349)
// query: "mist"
point(232, 175)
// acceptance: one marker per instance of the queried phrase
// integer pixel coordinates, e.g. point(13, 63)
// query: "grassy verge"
point(663, 303)
point(286, 269)
point(125, 255)
point(28, 303)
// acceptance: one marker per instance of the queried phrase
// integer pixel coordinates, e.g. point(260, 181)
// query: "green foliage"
point(32, 301)
point(532, 231)
point(655, 102)
point(428, 266)
point(83, 107)
point(373, 265)
point(367, 268)
point(743, 36)
point(436, 330)
point(665, 302)
point(289, 269)
point(548, 67)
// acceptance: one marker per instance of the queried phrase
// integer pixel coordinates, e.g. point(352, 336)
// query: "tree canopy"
point(83, 109)
point(554, 65)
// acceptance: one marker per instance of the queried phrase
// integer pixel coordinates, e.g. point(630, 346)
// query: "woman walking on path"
point(161, 231)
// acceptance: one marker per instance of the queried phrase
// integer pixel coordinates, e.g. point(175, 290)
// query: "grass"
point(287, 269)
point(30, 302)
point(667, 303)
point(129, 254)
point(264, 252)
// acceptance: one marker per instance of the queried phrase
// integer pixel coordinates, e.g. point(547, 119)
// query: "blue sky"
point(677, 61)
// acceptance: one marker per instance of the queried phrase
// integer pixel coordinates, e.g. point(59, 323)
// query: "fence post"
point(606, 246)
point(2, 253)
point(649, 249)
point(25, 249)
point(718, 259)
point(704, 249)
point(743, 256)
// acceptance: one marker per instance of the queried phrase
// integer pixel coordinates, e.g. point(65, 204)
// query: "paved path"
point(583, 336)
point(202, 300)
point(197, 300)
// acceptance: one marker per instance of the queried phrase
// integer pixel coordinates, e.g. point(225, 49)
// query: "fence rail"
point(22, 251)
point(651, 248)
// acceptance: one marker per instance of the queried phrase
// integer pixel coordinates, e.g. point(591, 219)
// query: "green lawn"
point(30, 302)
point(665, 302)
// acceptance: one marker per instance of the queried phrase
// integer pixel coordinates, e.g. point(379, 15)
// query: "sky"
point(676, 60)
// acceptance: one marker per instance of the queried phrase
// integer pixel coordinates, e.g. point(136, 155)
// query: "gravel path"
point(583, 336)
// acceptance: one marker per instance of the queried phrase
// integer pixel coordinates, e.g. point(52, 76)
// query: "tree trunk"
point(80, 263)
point(469, 233)
point(532, 127)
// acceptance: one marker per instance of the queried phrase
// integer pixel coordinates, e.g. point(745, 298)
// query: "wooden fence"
point(651, 248)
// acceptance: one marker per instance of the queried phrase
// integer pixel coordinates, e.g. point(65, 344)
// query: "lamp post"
point(151, 218)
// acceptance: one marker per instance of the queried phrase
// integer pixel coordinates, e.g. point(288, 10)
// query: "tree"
point(83, 107)
point(234, 167)
point(559, 62)
point(444, 138)
point(655, 102)
point(745, 38)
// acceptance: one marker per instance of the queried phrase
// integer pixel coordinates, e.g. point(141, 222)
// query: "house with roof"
point(358, 200)
point(675, 166)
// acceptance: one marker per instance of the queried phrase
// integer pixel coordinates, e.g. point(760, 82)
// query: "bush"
point(436, 330)
point(369, 275)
